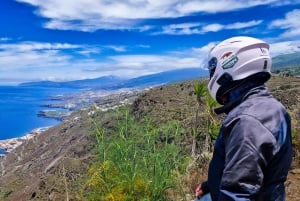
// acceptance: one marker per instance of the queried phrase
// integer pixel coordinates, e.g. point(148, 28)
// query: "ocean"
point(19, 106)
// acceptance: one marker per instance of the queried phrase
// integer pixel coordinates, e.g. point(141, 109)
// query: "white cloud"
point(284, 47)
point(212, 28)
point(4, 39)
point(198, 28)
point(213, 6)
point(236, 25)
point(28, 61)
point(34, 46)
point(129, 66)
point(154, 63)
point(91, 15)
point(290, 23)
point(88, 52)
point(180, 29)
point(116, 48)
point(32, 61)
point(241, 25)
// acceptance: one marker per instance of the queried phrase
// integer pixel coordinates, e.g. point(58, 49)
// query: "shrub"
point(135, 163)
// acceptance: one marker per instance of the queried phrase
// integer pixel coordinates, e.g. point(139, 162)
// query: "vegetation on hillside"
point(289, 71)
point(141, 160)
point(287, 64)
point(138, 162)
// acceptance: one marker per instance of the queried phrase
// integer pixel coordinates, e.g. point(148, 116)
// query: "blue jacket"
point(253, 151)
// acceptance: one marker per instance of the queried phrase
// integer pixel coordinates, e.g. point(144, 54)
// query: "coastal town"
point(71, 103)
point(10, 144)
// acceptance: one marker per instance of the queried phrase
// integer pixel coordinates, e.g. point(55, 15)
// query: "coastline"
point(63, 109)
point(9, 145)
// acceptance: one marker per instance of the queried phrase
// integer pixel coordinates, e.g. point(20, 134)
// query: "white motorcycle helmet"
point(234, 60)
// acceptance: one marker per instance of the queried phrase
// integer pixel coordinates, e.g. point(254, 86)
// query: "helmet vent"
point(265, 64)
point(235, 41)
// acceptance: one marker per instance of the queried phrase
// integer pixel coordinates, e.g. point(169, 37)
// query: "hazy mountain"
point(101, 82)
point(286, 61)
point(113, 82)
point(163, 78)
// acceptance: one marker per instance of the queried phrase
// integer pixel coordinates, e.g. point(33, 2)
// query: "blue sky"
point(61, 40)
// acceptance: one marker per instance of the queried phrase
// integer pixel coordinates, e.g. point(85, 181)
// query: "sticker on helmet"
point(226, 55)
point(264, 51)
point(230, 62)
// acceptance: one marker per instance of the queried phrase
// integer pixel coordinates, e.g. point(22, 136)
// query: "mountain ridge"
point(286, 61)
point(114, 82)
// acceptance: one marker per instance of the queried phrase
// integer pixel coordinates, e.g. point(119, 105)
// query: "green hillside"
point(287, 64)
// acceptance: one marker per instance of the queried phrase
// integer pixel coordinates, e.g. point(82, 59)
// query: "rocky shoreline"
point(9, 145)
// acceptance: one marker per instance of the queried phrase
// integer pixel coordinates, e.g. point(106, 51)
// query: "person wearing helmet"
point(253, 151)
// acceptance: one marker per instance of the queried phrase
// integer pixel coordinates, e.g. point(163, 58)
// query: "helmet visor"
point(212, 65)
